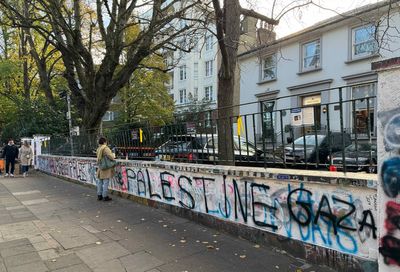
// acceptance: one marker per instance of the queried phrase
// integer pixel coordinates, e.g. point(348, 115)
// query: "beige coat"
point(102, 151)
point(25, 155)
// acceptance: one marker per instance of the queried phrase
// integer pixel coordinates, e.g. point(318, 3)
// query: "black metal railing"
point(337, 132)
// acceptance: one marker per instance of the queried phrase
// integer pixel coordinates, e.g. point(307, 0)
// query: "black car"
point(315, 148)
point(360, 157)
point(204, 149)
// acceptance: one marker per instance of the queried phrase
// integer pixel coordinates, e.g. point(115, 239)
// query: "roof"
point(330, 21)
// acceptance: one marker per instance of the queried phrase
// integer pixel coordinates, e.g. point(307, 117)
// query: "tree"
point(73, 28)
point(227, 20)
point(145, 98)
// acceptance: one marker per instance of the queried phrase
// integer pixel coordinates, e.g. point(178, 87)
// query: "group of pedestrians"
point(11, 153)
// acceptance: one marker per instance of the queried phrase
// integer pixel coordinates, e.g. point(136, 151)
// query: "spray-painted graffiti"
point(319, 214)
point(389, 243)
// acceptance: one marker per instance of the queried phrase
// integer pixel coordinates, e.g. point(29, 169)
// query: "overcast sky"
point(305, 16)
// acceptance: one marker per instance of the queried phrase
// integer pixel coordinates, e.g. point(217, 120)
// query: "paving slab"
point(73, 237)
point(21, 259)
point(63, 261)
point(97, 255)
point(31, 267)
point(140, 262)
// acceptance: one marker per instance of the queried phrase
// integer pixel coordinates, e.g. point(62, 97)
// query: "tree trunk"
point(226, 79)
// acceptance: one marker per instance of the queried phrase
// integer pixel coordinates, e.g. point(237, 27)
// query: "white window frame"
point(303, 55)
point(209, 42)
point(208, 93)
point(182, 96)
point(196, 93)
point(264, 68)
point(371, 40)
point(109, 116)
point(182, 73)
point(209, 67)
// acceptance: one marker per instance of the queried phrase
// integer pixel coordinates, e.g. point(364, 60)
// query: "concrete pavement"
point(48, 224)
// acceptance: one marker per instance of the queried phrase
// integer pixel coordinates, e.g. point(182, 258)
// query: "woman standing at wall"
point(105, 171)
point(25, 156)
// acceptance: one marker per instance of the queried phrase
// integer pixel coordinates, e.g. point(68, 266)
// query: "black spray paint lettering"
point(149, 183)
point(255, 203)
point(305, 205)
point(203, 180)
point(189, 195)
point(166, 184)
point(237, 197)
point(347, 215)
point(327, 213)
point(141, 180)
point(367, 220)
point(363, 223)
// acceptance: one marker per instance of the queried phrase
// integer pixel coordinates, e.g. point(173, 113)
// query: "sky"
point(306, 16)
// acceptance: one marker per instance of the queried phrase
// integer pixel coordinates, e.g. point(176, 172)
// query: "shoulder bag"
point(106, 163)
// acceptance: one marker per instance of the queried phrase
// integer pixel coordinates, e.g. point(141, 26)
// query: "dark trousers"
point(8, 162)
point(25, 168)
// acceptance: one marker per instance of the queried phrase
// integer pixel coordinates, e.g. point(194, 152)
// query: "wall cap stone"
point(312, 176)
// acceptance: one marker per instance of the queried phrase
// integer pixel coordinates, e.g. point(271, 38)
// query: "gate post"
point(388, 127)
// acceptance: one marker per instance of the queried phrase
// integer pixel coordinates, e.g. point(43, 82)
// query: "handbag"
point(106, 163)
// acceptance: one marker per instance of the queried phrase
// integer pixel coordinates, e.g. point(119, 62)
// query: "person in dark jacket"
point(10, 152)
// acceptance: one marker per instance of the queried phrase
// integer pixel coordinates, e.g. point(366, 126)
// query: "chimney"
point(265, 34)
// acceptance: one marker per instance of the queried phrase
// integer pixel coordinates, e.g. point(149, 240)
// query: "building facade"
point(297, 82)
point(193, 75)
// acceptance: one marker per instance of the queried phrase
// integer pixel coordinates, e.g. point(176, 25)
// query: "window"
point(269, 68)
point(311, 111)
point(196, 70)
point(209, 93)
point(311, 55)
point(209, 42)
point(196, 93)
point(363, 41)
point(268, 119)
point(109, 116)
point(182, 72)
point(182, 96)
point(209, 67)
point(208, 119)
point(363, 113)
point(171, 80)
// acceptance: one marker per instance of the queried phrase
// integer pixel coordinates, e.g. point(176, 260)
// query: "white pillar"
point(389, 163)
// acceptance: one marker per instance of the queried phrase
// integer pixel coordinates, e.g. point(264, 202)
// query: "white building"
point(289, 73)
point(193, 78)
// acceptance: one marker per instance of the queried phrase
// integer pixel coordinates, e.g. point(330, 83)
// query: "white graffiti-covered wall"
point(335, 217)
point(388, 94)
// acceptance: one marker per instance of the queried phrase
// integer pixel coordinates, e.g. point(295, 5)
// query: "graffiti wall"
point(341, 218)
point(389, 161)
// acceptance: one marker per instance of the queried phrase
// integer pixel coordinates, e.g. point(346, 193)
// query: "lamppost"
point(69, 118)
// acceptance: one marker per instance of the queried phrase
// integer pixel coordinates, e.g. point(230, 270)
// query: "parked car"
point(315, 148)
point(204, 149)
point(360, 157)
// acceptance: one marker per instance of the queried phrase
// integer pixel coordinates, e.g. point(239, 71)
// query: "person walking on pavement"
point(10, 152)
point(104, 175)
point(25, 156)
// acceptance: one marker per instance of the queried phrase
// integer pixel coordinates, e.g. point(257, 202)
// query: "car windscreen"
point(171, 144)
point(310, 140)
point(361, 147)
